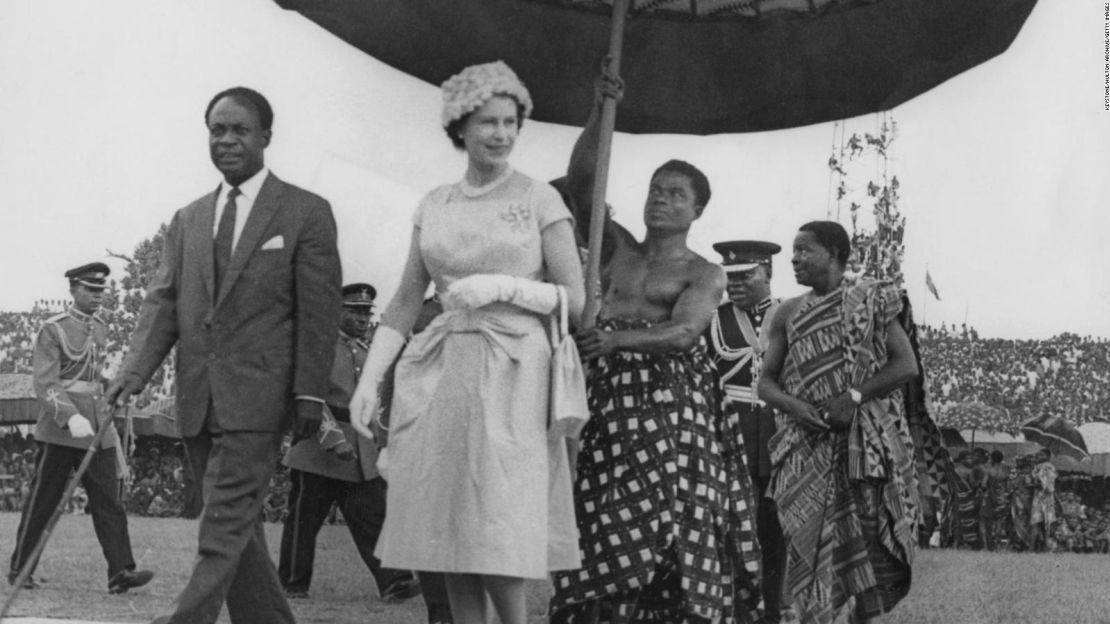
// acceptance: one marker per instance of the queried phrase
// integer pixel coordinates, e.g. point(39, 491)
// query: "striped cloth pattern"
point(848, 501)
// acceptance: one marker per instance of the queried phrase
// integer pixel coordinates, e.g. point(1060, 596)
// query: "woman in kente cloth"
point(1021, 505)
point(845, 464)
point(961, 522)
point(476, 489)
point(663, 498)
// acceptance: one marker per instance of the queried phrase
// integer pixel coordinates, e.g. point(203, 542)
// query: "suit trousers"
point(363, 507)
point(233, 564)
point(54, 463)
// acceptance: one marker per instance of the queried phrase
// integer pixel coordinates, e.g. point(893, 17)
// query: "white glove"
point(387, 343)
point(79, 426)
point(382, 463)
point(475, 291)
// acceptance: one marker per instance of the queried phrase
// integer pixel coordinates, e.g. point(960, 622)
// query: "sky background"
point(1003, 169)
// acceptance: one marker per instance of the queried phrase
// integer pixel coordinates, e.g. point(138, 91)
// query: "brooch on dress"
point(517, 216)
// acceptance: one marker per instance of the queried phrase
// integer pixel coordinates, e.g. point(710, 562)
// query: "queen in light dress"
point(477, 488)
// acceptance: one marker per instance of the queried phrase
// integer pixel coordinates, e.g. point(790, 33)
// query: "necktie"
point(224, 234)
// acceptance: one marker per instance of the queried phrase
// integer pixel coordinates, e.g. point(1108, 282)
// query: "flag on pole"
point(930, 285)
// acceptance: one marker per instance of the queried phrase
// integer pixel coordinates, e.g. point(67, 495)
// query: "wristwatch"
point(857, 396)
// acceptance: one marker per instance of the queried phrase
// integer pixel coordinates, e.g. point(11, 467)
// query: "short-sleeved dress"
point(476, 486)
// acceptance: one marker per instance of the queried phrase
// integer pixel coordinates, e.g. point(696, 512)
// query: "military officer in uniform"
point(67, 361)
point(338, 466)
point(738, 335)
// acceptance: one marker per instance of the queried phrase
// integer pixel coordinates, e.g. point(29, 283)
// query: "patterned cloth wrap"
point(663, 497)
point(849, 501)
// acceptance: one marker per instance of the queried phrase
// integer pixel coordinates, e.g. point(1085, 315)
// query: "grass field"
point(950, 587)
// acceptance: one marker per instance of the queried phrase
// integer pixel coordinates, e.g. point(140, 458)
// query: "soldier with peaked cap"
point(737, 338)
point(68, 355)
point(337, 466)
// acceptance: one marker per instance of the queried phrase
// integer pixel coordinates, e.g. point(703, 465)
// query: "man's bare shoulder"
point(703, 270)
point(788, 308)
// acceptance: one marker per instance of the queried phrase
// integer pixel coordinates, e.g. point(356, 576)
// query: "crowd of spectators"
point(1066, 374)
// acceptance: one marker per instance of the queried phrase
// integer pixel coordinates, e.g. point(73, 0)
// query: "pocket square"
point(277, 242)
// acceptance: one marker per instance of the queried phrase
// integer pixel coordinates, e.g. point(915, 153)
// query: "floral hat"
point(469, 89)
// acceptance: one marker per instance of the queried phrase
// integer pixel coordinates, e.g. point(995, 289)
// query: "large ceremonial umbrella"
point(694, 66)
point(690, 66)
point(1056, 434)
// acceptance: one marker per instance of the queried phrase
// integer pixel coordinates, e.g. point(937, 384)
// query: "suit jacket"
point(268, 335)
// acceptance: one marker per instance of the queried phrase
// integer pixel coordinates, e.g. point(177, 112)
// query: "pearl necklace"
point(472, 191)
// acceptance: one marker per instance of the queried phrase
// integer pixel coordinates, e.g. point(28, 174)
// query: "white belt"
point(742, 393)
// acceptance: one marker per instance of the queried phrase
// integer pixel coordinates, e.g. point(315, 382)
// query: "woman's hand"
point(364, 404)
point(478, 290)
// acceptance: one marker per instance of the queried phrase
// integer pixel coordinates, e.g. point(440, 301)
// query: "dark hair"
point(833, 237)
point(697, 178)
point(454, 128)
point(996, 457)
point(245, 97)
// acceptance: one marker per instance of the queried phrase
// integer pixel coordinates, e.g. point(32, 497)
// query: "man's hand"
point(308, 415)
point(79, 426)
point(842, 411)
point(807, 416)
point(608, 84)
point(594, 343)
point(121, 388)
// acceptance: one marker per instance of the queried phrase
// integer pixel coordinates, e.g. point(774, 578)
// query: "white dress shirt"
point(248, 190)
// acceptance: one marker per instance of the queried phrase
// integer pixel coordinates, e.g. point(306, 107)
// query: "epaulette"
point(57, 317)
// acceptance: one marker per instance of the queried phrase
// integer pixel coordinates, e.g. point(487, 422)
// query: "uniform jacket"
point(736, 366)
point(307, 455)
point(268, 335)
point(69, 353)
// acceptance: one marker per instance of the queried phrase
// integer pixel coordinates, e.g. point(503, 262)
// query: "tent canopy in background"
point(18, 404)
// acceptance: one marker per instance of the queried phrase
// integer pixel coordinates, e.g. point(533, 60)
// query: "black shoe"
point(30, 583)
point(401, 590)
point(127, 579)
point(296, 594)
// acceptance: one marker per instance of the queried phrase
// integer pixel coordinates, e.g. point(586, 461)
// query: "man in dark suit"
point(248, 291)
point(69, 354)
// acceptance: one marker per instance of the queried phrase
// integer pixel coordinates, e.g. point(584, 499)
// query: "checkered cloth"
point(663, 498)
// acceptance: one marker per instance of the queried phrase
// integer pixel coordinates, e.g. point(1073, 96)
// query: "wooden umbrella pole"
point(103, 424)
point(601, 172)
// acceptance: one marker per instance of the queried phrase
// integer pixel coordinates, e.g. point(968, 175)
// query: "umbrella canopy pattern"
point(691, 66)
point(1057, 435)
point(975, 415)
